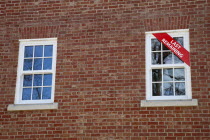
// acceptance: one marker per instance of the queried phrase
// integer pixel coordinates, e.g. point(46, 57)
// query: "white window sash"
point(21, 72)
point(174, 33)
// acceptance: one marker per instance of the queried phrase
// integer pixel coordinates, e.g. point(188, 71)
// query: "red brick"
point(100, 76)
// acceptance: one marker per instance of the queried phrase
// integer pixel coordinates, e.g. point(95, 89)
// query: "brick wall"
point(100, 78)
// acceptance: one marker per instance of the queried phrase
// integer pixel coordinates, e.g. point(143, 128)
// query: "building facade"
point(94, 70)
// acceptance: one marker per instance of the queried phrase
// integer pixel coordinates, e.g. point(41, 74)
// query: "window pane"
point(156, 58)
point(26, 95)
point(180, 88)
point(179, 40)
point(156, 45)
point(27, 64)
point(167, 74)
point(177, 60)
point(168, 89)
point(48, 50)
point(156, 89)
point(179, 75)
point(38, 64)
point(47, 79)
point(28, 51)
point(27, 80)
point(167, 58)
point(38, 51)
point(165, 48)
point(47, 63)
point(37, 80)
point(36, 94)
point(156, 75)
point(46, 93)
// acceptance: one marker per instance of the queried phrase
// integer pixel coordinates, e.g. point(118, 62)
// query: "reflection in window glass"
point(179, 74)
point(37, 64)
point(156, 45)
point(167, 58)
point(156, 89)
point(179, 40)
point(27, 64)
point(37, 80)
point(167, 74)
point(168, 89)
point(180, 88)
point(47, 79)
point(156, 75)
point(27, 80)
point(177, 60)
point(156, 58)
point(41, 85)
point(28, 51)
point(26, 94)
point(36, 94)
point(165, 48)
point(47, 63)
point(48, 50)
point(46, 93)
point(38, 51)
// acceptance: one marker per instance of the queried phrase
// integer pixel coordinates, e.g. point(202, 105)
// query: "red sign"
point(174, 46)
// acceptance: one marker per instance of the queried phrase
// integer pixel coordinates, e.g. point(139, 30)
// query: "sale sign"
point(174, 46)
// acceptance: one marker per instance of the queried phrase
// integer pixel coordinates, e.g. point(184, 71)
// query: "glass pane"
point(36, 94)
point(180, 88)
point(27, 80)
point(179, 75)
point(179, 40)
point(46, 93)
point(48, 50)
point(38, 51)
point(156, 75)
point(26, 95)
point(168, 89)
point(165, 48)
point(47, 63)
point(38, 64)
point(28, 51)
point(177, 60)
point(156, 89)
point(167, 74)
point(47, 79)
point(167, 58)
point(27, 64)
point(156, 45)
point(156, 58)
point(37, 80)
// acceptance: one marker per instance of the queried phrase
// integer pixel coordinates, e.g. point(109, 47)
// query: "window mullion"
point(174, 82)
point(32, 85)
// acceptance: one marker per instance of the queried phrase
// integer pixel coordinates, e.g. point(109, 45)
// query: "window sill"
point(157, 103)
point(21, 107)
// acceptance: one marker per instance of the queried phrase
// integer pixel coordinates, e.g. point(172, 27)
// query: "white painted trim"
point(19, 107)
point(168, 31)
point(146, 103)
point(174, 33)
point(38, 39)
point(20, 72)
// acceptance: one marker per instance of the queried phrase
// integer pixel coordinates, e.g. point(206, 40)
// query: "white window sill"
point(157, 103)
point(19, 107)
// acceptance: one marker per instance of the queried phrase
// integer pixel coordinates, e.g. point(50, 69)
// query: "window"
point(36, 71)
point(168, 77)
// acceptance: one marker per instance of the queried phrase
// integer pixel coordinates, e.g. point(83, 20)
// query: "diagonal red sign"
point(174, 46)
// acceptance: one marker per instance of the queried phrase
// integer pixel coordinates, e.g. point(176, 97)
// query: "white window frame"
point(20, 72)
point(174, 33)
